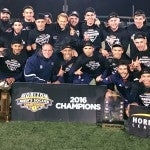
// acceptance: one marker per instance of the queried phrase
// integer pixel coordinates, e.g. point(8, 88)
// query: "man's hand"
point(104, 52)
point(78, 72)
point(10, 80)
point(61, 72)
point(99, 78)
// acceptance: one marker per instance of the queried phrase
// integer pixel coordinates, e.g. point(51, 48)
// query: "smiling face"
point(146, 79)
point(62, 20)
point(113, 23)
point(5, 16)
point(90, 18)
point(123, 71)
point(139, 21)
point(73, 20)
point(17, 26)
point(141, 44)
point(67, 53)
point(16, 48)
point(28, 14)
point(40, 24)
point(47, 50)
point(117, 52)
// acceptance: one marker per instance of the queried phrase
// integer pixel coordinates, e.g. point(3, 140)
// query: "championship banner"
point(139, 121)
point(63, 102)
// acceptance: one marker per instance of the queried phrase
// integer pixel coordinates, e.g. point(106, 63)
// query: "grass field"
point(66, 136)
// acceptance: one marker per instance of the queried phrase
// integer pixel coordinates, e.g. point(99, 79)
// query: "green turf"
point(66, 136)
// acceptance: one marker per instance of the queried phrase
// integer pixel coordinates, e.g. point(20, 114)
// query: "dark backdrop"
point(102, 7)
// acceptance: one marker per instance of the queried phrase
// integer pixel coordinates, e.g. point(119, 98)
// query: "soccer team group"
point(36, 49)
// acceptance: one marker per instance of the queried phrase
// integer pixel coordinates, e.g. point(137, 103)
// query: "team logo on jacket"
point(93, 65)
point(92, 34)
point(34, 101)
point(145, 98)
point(42, 39)
point(12, 64)
point(111, 39)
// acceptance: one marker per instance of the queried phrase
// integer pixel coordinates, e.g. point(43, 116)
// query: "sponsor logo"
point(34, 101)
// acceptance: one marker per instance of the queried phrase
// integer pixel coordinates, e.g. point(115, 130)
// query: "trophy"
point(113, 110)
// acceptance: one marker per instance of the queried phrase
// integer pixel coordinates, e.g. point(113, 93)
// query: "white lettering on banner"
point(78, 99)
point(78, 103)
point(140, 122)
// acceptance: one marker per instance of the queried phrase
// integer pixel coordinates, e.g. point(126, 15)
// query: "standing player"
point(113, 33)
point(142, 49)
point(90, 31)
point(61, 34)
point(17, 31)
point(38, 36)
point(28, 15)
point(5, 22)
point(12, 62)
point(138, 26)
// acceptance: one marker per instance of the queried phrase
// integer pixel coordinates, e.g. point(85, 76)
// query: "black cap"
point(74, 13)
point(117, 44)
point(16, 40)
point(139, 35)
point(88, 43)
point(17, 20)
point(124, 62)
point(90, 9)
point(39, 16)
point(66, 46)
point(5, 10)
point(145, 70)
point(113, 15)
point(48, 15)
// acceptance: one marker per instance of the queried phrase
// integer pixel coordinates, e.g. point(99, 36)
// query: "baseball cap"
point(145, 70)
point(74, 13)
point(139, 35)
point(113, 15)
point(88, 43)
point(117, 44)
point(66, 46)
point(48, 15)
point(17, 20)
point(16, 40)
point(90, 9)
point(5, 10)
point(39, 16)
